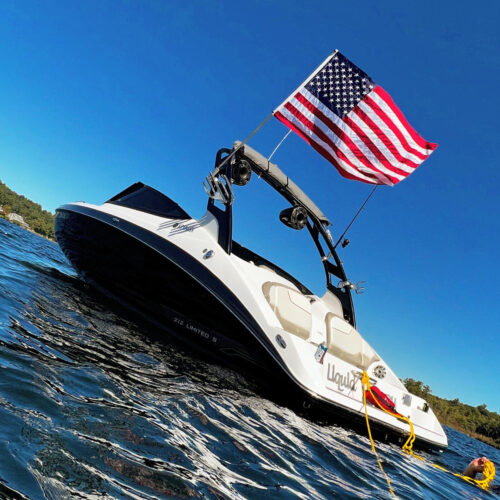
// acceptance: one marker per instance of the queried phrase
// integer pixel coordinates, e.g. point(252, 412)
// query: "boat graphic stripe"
point(355, 124)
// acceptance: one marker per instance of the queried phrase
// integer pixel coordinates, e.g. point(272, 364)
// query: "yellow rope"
point(489, 467)
point(373, 444)
point(488, 476)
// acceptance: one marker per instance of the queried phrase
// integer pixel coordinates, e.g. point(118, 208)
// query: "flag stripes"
point(341, 130)
point(354, 124)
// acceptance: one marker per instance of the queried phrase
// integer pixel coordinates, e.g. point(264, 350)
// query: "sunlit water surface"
point(94, 404)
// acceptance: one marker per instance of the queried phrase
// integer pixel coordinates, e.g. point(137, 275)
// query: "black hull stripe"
point(189, 265)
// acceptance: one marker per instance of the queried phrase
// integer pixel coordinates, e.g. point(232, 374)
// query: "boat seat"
point(292, 309)
point(267, 268)
point(346, 343)
point(333, 303)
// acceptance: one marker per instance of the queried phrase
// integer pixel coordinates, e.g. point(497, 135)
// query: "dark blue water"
point(95, 405)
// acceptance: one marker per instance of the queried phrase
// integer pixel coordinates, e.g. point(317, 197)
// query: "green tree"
point(477, 421)
point(41, 221)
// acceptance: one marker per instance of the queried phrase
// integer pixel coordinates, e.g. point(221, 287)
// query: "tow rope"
point(377, 398)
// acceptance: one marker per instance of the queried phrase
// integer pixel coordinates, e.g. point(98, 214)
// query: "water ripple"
point(95, 404)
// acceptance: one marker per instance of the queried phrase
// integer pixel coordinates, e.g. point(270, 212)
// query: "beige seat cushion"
point(292, 309)
point(346, 343)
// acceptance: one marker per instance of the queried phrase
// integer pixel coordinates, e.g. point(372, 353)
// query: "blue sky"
point(96, 95)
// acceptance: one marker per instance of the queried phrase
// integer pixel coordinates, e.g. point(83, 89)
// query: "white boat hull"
point(174, 272)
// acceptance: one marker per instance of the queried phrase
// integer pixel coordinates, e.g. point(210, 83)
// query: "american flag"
point(353, 122)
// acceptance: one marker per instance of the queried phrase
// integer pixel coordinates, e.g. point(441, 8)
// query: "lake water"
point(96, 405)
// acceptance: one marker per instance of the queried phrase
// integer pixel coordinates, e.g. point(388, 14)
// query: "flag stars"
point(340, 85)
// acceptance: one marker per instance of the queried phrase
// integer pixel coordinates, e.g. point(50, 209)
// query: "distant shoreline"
point(53, 240)
point(476, 421)
point(24, 212)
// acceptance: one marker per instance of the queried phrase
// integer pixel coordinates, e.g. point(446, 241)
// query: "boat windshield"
point(147, 199)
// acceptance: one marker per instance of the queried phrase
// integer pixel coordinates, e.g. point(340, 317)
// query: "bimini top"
point(274, 176)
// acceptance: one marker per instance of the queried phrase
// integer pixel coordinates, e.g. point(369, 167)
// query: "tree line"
point(476, 421)
point(40, 221)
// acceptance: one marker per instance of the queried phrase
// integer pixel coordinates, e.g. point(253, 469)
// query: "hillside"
point(39, 220)
point(476, 421)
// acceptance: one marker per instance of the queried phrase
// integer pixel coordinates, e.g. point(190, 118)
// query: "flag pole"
point(310, 77)
point(279, 144)
point(355, 217)
point(217, 169)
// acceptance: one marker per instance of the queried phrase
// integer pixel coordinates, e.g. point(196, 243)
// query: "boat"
point(189, 277)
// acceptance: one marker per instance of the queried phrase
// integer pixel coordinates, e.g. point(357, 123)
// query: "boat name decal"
point(342, 381)
point(192, 328)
